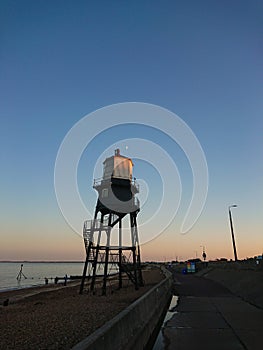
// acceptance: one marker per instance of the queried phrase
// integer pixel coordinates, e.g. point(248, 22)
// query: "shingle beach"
point(58, 317)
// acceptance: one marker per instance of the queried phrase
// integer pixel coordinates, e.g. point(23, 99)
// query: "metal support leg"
point(135, 268)
point(94, 269)
point(120, 253)
point(120, 268)
point(95, 261)
point(139, 267)
point(105, 271)
point(134, 251)
point(140, 278)
point(85, 268)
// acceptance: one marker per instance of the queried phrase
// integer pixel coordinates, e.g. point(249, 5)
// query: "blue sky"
point(60, 60)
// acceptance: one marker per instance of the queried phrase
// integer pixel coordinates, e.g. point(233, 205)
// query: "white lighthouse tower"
point(116, 199)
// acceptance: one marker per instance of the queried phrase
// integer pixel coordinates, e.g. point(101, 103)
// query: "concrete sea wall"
point(133, 327)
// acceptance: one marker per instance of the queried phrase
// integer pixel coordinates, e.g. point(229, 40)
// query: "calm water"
point(35, 273)
point(159, 343)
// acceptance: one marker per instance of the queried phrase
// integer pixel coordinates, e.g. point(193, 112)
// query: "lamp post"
point(232, 230)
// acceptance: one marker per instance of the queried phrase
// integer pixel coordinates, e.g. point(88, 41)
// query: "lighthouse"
point(117, 190)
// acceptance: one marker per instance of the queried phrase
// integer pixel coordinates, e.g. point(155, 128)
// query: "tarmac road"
point(209, 317)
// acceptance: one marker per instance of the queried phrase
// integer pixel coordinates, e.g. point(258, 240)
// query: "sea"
point(35, 273)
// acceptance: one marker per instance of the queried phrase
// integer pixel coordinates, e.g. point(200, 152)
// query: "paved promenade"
point(209, 317)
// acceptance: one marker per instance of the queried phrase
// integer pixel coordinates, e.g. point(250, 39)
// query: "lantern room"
point(116, 188)
point(117, 166)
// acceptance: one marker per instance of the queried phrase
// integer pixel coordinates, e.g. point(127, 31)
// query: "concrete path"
point(209, 317)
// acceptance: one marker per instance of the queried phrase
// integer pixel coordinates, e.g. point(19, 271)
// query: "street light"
point(232, 230)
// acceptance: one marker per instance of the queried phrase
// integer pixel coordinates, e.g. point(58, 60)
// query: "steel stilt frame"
point(93, 251)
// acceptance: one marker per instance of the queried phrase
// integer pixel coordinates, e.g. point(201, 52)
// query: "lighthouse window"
point(105, 193)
